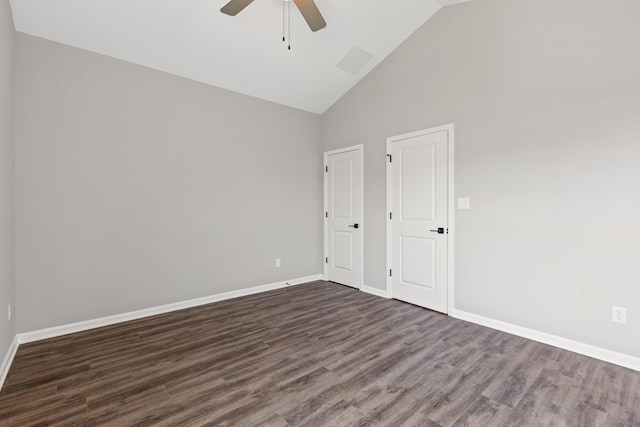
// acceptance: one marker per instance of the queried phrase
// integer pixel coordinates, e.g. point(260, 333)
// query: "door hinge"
point(326, 260)
point(390, 215)
point(326, 214)
point(326, 168)
point(390, 158)
point(390, 273)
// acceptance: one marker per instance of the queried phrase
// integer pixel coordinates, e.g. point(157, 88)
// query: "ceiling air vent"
point(354, 60)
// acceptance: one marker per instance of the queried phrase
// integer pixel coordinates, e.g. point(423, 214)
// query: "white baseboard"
point(303, 280)
point(8, 359)
point(57, 331)
point(600, 353)
point(375, 291)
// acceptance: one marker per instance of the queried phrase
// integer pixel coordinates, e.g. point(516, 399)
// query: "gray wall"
point(545, 97)
point(135, 188)
point(7, 289)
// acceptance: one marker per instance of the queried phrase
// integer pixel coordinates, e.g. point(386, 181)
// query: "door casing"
point(360, 149)
point(450, 208)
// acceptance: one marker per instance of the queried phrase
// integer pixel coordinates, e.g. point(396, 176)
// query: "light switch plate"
point(464, 203)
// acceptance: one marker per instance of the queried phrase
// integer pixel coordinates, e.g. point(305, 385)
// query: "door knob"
point(440, 230)
point(354, 226)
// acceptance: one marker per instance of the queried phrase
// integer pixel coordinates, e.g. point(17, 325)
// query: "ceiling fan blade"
point(311, 14)
point(235, 6)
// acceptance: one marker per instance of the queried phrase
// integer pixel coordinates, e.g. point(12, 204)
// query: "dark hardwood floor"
point(318, 354)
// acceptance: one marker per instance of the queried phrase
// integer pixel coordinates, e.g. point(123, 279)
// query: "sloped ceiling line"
point(244, 54)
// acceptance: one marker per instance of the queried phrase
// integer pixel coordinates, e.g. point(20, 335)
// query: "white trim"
point(57, 331)
point(452, 229)
point(375, 291)
point(325, 220)
point(450, 128)
point(8, 360)
point(600, 353)
point(389, 209)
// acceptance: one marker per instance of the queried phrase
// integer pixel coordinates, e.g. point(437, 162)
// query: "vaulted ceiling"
point(245, 53)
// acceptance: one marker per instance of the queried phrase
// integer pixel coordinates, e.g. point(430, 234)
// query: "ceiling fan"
point(307, 8)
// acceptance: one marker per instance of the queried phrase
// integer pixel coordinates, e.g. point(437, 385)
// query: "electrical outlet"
point(619, 315)
point(9, 312)
point(278, 263)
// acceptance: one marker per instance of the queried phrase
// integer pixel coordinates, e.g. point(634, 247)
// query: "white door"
point(418, 234)
point(343, 216)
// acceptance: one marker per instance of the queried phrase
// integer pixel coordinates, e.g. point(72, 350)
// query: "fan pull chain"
point(286, 22)
point(289, 47)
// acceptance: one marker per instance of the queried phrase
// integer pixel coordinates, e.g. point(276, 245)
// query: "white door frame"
point(450, 207)
point(360, 149)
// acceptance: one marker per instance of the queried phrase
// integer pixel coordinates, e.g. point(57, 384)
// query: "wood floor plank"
point(484, 413)
point(318, 354)
point(514, 383)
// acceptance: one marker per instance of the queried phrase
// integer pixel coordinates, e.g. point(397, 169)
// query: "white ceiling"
point(245, 53)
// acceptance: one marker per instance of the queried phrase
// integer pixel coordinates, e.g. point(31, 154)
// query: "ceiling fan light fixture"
point(307, 8)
